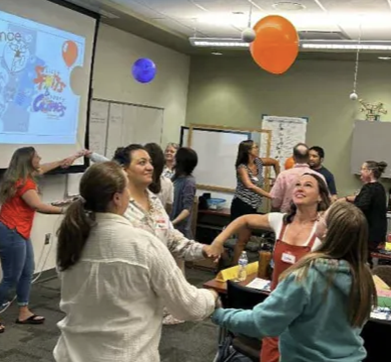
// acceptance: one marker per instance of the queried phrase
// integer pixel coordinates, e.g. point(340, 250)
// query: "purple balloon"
point(144, 70)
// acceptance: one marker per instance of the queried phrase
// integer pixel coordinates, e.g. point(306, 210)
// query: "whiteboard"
point(143, 124)
point(98, 126)
point(117, 124)
point(217, 152)
point(287, 132)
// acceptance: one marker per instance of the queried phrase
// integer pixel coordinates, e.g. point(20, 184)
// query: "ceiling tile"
point(214, 18)
point(169, 7)
point(138, 8)
point(176, 25)
point(267, 5)
point(356, 6)
point(225, 6)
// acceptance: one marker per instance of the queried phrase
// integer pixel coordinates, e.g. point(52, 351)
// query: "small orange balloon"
point(276, 45)
point(289, 163)
point(70, 52)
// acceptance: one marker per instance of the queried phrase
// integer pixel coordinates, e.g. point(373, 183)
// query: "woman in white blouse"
point(115, 278)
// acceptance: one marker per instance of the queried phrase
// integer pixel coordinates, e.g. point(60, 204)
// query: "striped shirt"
point(242, 192)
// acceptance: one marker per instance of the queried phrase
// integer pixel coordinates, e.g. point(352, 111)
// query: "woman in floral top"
point(145, 210)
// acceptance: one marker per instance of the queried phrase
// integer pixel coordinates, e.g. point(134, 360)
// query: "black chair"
point(241, 297)
point(376, 335)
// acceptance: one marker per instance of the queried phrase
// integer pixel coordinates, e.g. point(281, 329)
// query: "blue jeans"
point(17, 262)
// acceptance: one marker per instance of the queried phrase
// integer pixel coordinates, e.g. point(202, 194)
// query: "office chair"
point(377, 335)
point(241, 297)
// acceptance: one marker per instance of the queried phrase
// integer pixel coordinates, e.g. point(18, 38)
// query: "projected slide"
point(37, 65)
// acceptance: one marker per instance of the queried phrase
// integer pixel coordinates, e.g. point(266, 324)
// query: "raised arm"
point(96, 157)
point(182, 300)
point(64, 163)
point(272, 162)
point(250, 222)
point(269, 318)
point(247, 182)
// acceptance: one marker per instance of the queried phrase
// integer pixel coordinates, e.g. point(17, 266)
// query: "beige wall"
point(234, 91)
point(117, 51)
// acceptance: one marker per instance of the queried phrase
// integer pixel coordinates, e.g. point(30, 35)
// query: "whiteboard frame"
point(193, 126)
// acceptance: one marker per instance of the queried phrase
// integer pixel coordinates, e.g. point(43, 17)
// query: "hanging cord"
point(250, 13)
point(357, 59)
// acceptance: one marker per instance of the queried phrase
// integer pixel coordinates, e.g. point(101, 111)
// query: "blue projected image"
point(37, 103)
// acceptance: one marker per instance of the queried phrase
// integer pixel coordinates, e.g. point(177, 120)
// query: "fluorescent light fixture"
point(346, 45)
point(217, 53)
point(218, 42)
point(307, 44)
point(384, 58)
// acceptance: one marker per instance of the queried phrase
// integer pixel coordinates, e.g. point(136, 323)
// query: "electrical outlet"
point(47, 238)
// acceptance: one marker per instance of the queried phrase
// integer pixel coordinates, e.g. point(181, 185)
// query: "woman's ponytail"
point(73, 234)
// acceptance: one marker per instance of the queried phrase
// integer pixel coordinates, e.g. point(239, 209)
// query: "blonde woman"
point(323, 301)
point(169, 153)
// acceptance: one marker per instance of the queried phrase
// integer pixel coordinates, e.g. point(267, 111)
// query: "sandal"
point(34, 319)
point(2, 328)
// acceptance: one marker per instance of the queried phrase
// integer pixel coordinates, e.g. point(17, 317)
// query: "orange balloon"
point(276, 45)
point(289, 163)
point(70, 52)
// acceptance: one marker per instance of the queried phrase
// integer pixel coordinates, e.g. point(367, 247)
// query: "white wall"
point(116, 52)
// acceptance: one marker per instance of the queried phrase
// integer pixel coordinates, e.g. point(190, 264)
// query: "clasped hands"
point(66, 162)
point(213, 251)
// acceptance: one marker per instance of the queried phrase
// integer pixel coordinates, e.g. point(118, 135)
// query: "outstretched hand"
point(213, 251)
point(66, 162)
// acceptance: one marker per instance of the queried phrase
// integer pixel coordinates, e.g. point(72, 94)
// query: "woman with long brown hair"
point(161, 185)
point(20, 200)
point(250, 192)
point(295, 235)
point(323, 301)
point(116, 278)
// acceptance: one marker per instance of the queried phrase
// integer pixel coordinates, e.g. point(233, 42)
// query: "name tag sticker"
point(255, 178)
point(288, 258)
point(161, 224)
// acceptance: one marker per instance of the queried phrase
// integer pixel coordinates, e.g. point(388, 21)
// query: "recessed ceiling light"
point(288, 6)
point(217, 53)
point(384, 58)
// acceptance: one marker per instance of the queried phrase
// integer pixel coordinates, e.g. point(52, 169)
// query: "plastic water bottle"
point(243, 261)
